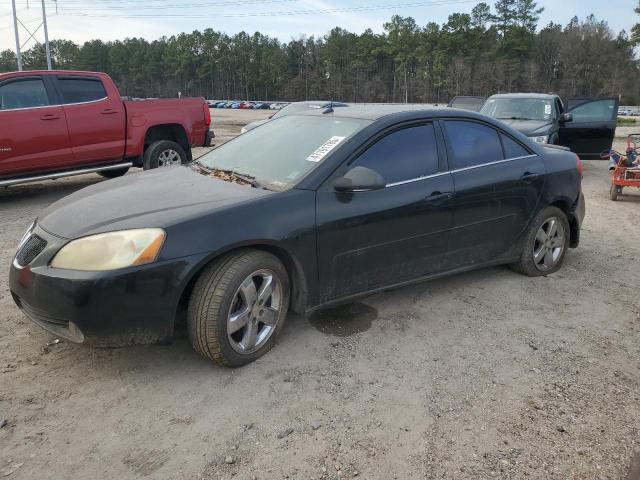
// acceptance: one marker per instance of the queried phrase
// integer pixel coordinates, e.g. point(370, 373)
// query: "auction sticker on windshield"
point(324, 149)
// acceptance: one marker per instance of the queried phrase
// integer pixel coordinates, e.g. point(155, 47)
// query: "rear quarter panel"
point(144, 114)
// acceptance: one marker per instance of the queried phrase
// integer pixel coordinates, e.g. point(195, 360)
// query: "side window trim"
point(57, 78)
point(27, 78)
point(472, 167)
point(417, 179)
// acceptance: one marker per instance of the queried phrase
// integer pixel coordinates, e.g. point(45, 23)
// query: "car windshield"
point(518, 108)
point(281, 152)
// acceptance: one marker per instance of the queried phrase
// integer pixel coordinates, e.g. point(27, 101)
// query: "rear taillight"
point(207, 114)
point(579, 165)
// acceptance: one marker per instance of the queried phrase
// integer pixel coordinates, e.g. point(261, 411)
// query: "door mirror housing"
point(566, 117)
point(359, 179)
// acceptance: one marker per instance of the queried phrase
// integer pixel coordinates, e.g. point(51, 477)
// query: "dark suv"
point(585, 125)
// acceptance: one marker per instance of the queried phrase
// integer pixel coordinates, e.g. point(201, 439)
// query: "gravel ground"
point(482, 375)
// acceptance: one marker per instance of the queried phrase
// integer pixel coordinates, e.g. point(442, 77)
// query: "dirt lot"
point(483, 375)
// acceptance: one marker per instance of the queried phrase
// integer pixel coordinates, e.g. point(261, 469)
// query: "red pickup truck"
point(63, 123)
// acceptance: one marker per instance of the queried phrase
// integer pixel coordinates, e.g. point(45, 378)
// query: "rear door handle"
point(438, 197)
point(529, 177)
point(108, 111)
point(50, 116)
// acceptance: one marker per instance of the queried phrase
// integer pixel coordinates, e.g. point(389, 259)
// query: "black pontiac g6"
point(301, 212)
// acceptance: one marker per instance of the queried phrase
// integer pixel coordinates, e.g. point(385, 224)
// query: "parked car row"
point(244, 105)
point(629, 112)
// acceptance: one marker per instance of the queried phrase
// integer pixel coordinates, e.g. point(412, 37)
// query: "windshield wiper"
point(224, 174)
point(513, 118)
point(250, 179)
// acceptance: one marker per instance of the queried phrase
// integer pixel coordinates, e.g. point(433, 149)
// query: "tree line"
point(489, 50)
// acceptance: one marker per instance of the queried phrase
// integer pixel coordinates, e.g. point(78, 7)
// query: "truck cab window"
point(79, 90)
point(27, 93)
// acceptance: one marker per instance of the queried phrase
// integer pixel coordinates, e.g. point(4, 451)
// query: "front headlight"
point(110, 251)
point(541, 139)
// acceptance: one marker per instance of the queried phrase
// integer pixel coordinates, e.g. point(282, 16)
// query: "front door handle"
point(50, 116)
point(529, 177)
point(439, 197)
point(108, 111)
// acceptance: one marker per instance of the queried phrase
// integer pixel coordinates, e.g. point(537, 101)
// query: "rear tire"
point(164, 153)
point(545, 244)
point(238, 307)
point(114, 173)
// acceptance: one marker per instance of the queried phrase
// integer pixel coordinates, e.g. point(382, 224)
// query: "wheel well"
point(573, 224)
point(173, 132)
point(297, 278)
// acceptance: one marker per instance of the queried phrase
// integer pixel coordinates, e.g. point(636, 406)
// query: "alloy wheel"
point(254, 312)
point(169, 158)
point(549, 244)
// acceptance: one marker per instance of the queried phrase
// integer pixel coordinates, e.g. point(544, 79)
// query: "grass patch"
point(626, 121)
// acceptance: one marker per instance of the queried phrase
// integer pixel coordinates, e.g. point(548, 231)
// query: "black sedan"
point(306, 211)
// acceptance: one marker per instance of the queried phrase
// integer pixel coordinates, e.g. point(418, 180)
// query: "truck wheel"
point(614, 192)
point(238, 306)
point(545, 244)
point(164, 153)
point(113, 173)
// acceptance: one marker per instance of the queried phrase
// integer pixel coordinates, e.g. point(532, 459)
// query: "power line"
point(300, 12)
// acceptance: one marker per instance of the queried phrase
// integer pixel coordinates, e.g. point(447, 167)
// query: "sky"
point(82, 20)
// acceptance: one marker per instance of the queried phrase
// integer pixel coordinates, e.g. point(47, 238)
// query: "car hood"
point(257, 123)
point(530, 128)
point(156, 198)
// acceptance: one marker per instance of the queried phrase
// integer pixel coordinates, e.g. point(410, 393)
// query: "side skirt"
point(350, 298)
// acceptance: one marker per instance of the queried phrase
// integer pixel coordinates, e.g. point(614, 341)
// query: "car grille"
point(39, 315)
point(30, 250)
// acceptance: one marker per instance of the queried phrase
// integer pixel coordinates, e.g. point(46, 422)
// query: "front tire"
point(238, 307)
point(614, 191)
point(164, 153)
point(545, 244)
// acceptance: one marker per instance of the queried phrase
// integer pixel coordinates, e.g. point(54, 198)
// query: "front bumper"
point(576, 220)
point(135, 305)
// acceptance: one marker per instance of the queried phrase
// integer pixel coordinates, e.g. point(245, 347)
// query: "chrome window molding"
point(497, 162)
point(417, 179)
point(464, 169)
point(56, 105)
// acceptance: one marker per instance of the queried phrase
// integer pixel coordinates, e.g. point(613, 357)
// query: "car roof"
point(376, 112)
point(540, 96)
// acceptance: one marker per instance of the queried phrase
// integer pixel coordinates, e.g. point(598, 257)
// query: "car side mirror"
point(566, 117)
point(359, 179)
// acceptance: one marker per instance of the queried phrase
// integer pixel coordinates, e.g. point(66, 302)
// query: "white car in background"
point(292, 108)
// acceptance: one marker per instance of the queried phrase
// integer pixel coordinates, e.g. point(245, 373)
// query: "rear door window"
point(472, 144)
point(81, 89)
point(23, 93)
point(405, 154)
point(512, 149)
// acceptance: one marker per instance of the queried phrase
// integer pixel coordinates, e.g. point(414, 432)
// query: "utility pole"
point(15, 27)
point(19, 47)
point(46, 35)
